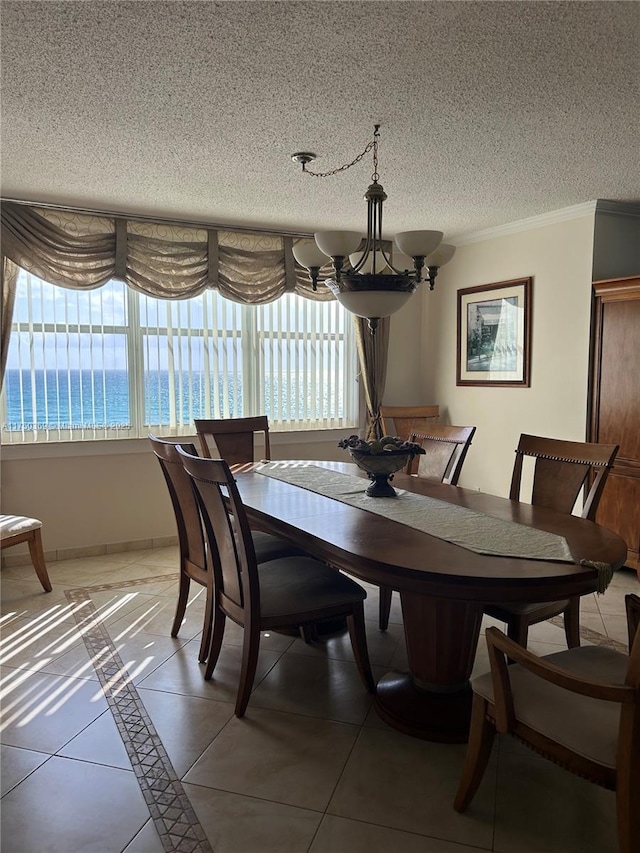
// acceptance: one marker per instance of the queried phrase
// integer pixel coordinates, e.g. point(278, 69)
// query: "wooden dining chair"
point(403, 420)
point(232, 439)
point(562, 469)
point(284, 593)
point(15, 529)
point(580, 708)
point(446, 449)
point(194, 565)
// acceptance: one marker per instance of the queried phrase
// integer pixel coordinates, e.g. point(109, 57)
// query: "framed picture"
point(494, 334)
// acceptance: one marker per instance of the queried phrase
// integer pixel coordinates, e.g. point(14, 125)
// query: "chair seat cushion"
point(10, 525)
point(295, 586)
point(268, 547)
point(584, 725)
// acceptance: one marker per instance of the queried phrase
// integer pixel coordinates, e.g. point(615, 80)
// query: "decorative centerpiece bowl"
point(380, 459)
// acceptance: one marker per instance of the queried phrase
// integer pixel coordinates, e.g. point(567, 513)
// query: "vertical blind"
point(113, 363)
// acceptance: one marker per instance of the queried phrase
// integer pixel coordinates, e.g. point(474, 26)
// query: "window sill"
point(125, 446)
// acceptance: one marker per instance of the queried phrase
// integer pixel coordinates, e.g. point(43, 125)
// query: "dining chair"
point(284, 593)
point(579, 707)
point(194, 563)
point(233, 438)
point(403, 420)
point(562, 469)
point(15, 529)
point(446, 449)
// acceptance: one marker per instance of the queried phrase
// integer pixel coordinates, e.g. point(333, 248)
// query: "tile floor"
point(112, 741)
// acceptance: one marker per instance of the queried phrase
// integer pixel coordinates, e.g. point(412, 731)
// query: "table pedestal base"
point(433, 701)
point(442, 717)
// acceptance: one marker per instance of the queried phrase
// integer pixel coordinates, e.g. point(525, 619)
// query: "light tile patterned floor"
point(112, 741)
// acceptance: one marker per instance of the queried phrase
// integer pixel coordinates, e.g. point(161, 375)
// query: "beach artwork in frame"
point(494, 334)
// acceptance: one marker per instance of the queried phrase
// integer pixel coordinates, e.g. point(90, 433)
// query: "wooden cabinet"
point(615, 404)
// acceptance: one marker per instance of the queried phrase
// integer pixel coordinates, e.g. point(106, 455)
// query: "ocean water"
point(47, 399)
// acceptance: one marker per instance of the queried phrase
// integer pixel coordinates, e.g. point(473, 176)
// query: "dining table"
point(444, 577)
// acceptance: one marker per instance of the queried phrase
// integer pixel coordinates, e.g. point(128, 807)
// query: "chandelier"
point(365, 280)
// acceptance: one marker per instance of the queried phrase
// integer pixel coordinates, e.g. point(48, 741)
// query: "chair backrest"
point(562, 468)
point(183, 499)
point(445, 451)
point(233, 438)
point(233, 559)
point(403, 420)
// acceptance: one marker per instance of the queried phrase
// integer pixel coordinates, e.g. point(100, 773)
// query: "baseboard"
point(23, 558)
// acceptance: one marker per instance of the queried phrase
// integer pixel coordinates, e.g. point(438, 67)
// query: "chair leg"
point(571, 618)
point(250, 649)
point(183, 597)
point(481, 736)
point(358, 635)
point(217, 635)
point(628, 834)
point(384, 607)
point(628, 788)
point(205, 642)
point(37, 558)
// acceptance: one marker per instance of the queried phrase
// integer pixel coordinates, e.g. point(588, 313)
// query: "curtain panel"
point(373, 352)
point(8, 292)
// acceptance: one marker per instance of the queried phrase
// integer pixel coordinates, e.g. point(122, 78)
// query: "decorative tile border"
point(174, 818)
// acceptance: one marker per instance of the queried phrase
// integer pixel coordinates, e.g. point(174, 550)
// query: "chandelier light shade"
point(365, 279)
point(437, 259)
point(308, 255)
point(338, 244)
point(418, 244)
point(441, 256)
point(371, 304)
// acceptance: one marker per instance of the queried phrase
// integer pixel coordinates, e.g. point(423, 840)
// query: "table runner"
point(467, 528)
point(459, 525)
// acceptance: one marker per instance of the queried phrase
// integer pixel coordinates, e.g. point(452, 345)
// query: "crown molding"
point(576, 211)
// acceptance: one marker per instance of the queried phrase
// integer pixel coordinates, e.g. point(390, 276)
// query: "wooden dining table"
point(442, 586)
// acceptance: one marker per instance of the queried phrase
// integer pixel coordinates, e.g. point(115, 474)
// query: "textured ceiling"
point(490, 112)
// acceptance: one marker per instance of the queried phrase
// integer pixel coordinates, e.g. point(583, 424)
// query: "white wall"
point(405, 368)
point(558, 257)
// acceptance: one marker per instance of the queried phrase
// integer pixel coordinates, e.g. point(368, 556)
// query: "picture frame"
point(494, 334)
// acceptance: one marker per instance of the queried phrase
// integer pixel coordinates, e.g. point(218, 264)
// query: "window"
point(113, 363)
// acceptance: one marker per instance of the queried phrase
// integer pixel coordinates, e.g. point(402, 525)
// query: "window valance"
point(164, 260)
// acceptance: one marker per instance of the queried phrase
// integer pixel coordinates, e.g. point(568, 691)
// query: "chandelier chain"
point(376, 134)
point(372, 144)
